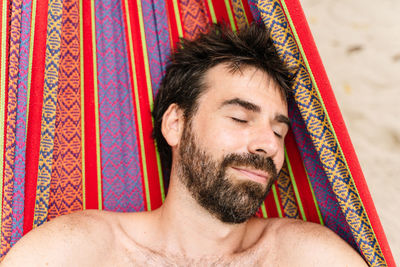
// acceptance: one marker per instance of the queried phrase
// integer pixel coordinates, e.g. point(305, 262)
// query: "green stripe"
point(295, 189)
point(96, 107)
point(264, 210)
point(138, 114)
point(276, 198)
point(230, 15)
point(321, 220)
point(212, 11)
point(178, 19)
point(2, 96)
point(149, 93)
point(326, 113)
point(82, 104)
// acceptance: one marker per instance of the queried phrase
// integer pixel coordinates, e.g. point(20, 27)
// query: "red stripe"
point(147, 126)
point(90, 118)
point(35, 113)
point(172, 24)
point(6, 57)
point(220, 11)
point(301, 178)
point(247, 10)
point(314, 60)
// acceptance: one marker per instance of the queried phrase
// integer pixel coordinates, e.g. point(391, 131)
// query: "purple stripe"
point(19, 167)
point(122, 181)
point(157, 37)
point(9, 159)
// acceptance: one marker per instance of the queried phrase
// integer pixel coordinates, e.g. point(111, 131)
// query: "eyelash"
point(244, 121)
point(238, 120)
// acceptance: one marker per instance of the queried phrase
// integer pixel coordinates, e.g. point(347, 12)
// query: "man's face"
point(233, 146)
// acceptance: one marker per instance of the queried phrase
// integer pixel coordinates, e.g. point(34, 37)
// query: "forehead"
point(247, 83)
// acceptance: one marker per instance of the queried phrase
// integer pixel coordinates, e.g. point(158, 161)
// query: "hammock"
point(78, 80)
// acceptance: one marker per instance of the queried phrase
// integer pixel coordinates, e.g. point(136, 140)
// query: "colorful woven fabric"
point(66, 175)
point(78, 79)
point(9, 159)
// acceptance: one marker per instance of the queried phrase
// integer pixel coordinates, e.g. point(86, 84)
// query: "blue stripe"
point(20, 136)
point(157, 38)
point(122, 181)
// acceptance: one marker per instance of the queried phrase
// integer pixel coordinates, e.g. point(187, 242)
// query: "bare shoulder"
point(66, 239)
point(311, 244)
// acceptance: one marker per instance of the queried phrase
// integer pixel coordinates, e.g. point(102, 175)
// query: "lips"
point(254, 175)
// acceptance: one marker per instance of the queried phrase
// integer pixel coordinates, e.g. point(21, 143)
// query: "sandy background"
point(359, 43)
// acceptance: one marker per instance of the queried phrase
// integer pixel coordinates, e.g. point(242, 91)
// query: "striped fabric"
point(78, 79)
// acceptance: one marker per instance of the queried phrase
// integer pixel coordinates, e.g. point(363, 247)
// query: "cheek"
point(218, 137)
point(280, 159)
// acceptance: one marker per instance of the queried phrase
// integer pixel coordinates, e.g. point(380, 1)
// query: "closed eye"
point(278, 135)
point(238, 120)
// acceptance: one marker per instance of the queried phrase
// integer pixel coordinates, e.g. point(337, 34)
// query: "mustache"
point(254, 161)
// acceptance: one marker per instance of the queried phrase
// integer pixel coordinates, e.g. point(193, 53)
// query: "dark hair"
point(183, 82)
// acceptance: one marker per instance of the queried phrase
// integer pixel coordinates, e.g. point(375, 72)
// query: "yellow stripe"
point(230, 15)
point(178, 19)
point(244, 12)
point(278, 207)
point(96, 107)
point(240, 14)
point(138, 114)
point(212, 13)
point(149, 90)
point(31, 42)
point(82, 104)
point(3, 95)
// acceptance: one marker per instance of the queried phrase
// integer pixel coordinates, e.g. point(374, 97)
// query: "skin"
point(180, 232)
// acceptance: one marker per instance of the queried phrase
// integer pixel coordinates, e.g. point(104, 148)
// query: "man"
point(220, 122)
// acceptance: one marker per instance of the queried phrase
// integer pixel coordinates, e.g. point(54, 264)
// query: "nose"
point(263, 141)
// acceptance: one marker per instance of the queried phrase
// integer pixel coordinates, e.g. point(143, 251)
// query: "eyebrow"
point(283, 119)
point(243, 103)
point(254, 108)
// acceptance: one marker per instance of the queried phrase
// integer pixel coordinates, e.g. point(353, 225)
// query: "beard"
point(229, 199)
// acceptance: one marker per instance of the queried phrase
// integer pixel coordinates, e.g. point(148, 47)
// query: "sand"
point(359, 43)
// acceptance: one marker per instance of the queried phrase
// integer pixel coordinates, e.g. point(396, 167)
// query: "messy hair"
point(184, 83)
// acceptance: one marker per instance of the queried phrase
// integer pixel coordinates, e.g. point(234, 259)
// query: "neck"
point(188, 229)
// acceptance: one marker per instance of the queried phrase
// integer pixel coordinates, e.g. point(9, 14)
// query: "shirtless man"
point(220, 122)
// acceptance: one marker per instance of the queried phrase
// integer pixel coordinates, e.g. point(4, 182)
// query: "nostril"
point(261, 150)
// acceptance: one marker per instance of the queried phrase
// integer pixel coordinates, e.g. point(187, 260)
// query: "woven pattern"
point(330, 210)
point(240, 14)
point(318, 126)
point(66, 181)
point(8, 182)
point(195, 18)
point(286, 193)
point(49, 111)
point(122, 189)
point(157, 39)
point(21, 123)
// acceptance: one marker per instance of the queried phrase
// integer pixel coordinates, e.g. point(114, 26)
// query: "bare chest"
point(139, 256)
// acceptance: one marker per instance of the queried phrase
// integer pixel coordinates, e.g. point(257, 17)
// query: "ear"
point(172, 124)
